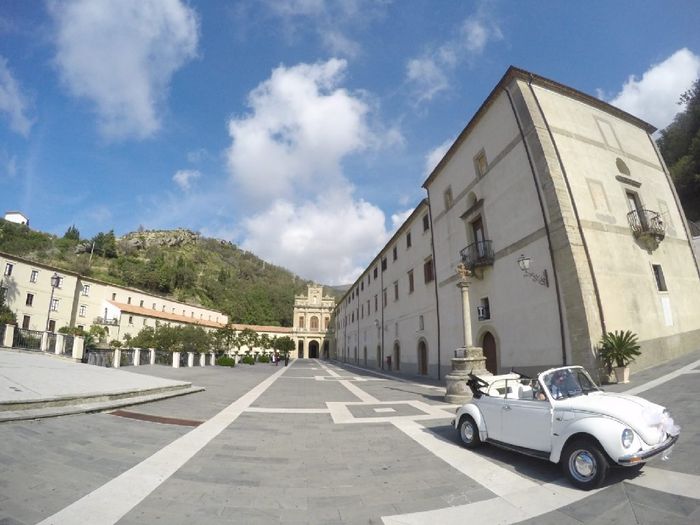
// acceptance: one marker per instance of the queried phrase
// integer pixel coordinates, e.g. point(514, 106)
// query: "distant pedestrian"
point(276, 357)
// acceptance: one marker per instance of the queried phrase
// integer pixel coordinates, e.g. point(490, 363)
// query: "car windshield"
point(568, 382)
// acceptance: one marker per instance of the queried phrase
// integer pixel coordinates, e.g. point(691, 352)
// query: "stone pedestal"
point(78, 348)
point(466, 361)
point(60, 341)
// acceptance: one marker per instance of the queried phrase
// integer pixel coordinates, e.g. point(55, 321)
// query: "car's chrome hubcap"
point(582, 465)
point(467, 432)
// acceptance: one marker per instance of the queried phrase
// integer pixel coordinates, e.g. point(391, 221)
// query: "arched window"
point(314, 323)
point(301, 321)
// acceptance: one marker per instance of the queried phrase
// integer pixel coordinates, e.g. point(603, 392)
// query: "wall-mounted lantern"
point(524, 264)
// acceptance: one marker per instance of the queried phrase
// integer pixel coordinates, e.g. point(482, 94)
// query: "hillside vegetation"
point(680, 145)
point(178, 264)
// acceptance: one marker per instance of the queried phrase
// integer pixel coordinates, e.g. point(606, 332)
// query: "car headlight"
point(627, 438)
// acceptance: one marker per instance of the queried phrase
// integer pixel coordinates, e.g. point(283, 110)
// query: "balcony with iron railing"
point(477, 254)
point(647, 226)
point(107, 321)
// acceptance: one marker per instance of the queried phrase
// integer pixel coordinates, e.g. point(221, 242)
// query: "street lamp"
point(524, 264)
point(55, 281)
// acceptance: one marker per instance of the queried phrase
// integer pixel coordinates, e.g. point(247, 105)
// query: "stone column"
point(468, 359)
point(60, 341)
point(152, 357)
point(44, 342)
point(117, 357)
point(212, 359)
point(202, 359)
point(176, 359)
point(190, 359)
point(78, 348)
point(9, 335)
point(137, 356)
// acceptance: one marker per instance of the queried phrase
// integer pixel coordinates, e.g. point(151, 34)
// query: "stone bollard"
point(78, 348)
point(9, 335)
point(44, 342)
point(60, 342)
point(190, 359)
point(117, 358)
point(137, 357)
point(466, 361)
point(176, 359)
point(152, 356)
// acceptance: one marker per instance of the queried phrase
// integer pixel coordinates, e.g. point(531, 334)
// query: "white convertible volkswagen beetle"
point(564, 417)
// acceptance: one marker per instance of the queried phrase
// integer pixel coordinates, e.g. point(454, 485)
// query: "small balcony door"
point(479, 237)
point(635, 205)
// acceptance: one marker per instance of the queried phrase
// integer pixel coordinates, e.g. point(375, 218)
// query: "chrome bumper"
point(645, 455)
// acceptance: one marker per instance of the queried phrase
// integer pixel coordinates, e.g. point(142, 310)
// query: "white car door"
point(527, 423)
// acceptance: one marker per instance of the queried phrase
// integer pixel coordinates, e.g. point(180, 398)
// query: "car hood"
point(644, 417)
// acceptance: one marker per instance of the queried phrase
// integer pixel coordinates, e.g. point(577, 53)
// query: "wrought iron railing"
point(477, 254)
point(646, 222)
point(127, 357)
point(100, 357)
point(52, 343)
point(27, 339)
point(106, 321)
point(68, 341)
point(184, 358)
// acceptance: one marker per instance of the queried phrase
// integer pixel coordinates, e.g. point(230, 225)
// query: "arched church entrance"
point(313, 350)
point(300, 350)
point(422, 358)
point(488, 343)
point(397, 355)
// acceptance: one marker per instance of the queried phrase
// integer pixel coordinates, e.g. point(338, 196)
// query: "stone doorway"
point(422, 359)
point(397, 356)
point(313, 350)
point(488, 343)
point(300, 350)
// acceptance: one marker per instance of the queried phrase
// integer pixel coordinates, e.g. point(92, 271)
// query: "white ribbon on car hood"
point(658, 417)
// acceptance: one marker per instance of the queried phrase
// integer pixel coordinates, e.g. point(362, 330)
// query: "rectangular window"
point(114, 297)
point(141, 303)
point(362, 285)
point(396, 291)
point(483, 311)
point(376, 303)
point(410, 281)
point(352, 316)
point(384, 297)
point(408, 240)
point(33, 276)
point(82, 311)
point(52, 325)
point(128, 301)
point(30, 299)
point(659, 276)
point(368, 310)
point(131, 319)
point(383, 263)
point(154, 306)
point(8, 268)
point(426, 222)
point(54, 305)
point(375, 272)
point(480, 164)
point(86, 290)
point(448, 198)
point(428, 270)
point(164, 309)
point(395, 254)
point(421, 325)
point(362, 311)
point(25, 322)
point(60, 282)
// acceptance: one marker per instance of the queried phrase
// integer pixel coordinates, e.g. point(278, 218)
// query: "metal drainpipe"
point(381, 286)
point(546, 228)
point(575, 209)
point(435, 287)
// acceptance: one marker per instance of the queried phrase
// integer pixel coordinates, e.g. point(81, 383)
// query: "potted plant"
point(617, 350)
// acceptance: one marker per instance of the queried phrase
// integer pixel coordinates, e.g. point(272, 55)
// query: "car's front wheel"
point(469, 432)
point(584, 464)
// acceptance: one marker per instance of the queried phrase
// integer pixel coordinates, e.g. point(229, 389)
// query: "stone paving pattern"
point(285, 467)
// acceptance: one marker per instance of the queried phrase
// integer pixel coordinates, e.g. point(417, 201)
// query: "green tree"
point(680, 146)
point(284, 344)
point(105, 244)
point(7, 316)
point(72, 233)
point(248, 338)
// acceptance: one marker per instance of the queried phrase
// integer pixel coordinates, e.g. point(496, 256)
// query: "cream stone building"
point(564, 212)
point(387, 319)
point(312, 317)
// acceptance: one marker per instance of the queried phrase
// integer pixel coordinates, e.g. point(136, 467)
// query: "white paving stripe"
point(110, 502)
point(359, 393)
point(288, 410)
point(687, 485)
point(395, 378)
point(663, 379)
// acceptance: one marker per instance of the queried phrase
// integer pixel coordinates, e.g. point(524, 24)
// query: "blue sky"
point(299, 130)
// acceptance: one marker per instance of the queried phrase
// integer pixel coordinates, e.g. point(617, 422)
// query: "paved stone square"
point(316, 442)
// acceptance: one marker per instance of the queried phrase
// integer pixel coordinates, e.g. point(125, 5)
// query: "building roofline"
point(399, 231)
point(513, 73)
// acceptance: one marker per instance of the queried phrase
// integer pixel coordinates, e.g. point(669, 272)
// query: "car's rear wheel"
point(469, 432)
point(584, 464)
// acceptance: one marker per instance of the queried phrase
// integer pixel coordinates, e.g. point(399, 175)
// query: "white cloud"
point(435, 155)
point(328, 239)
point(121, 56)
point(8, 165)
point(301, 126)
point(429, 74)
point(398, 218)
point(654, 97)
point(12, 101)
point(184, 178)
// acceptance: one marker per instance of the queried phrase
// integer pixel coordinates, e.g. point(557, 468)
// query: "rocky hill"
point(179, 264)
